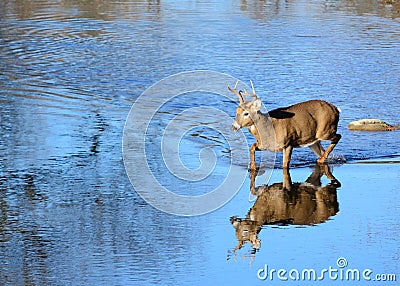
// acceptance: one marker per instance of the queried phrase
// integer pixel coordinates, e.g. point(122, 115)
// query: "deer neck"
point(254, 131)
point(263, 131)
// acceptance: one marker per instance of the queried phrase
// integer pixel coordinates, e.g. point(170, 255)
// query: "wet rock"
point(371, 125)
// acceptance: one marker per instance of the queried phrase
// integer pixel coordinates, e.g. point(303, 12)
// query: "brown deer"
point(300, 125)
point(306, 203)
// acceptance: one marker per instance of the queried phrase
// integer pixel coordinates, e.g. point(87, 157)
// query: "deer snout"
point(235, 221)
point(235, 126)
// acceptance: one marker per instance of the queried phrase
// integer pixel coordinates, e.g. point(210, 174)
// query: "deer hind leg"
point(317, 148)
point(335, 139)
point(331, 177)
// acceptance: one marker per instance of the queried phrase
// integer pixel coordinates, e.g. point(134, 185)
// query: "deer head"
point(246, 109)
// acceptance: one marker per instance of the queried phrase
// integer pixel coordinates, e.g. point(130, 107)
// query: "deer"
point(304, 124)
point(307, 203)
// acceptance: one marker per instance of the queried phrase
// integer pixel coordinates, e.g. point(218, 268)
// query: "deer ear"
point(256, 105)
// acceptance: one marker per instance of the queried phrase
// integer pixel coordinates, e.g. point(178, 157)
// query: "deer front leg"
point(253, 149)
point(253, 189)
point(287, 153)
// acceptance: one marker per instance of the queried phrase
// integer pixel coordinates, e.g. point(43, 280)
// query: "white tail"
point(301, 125)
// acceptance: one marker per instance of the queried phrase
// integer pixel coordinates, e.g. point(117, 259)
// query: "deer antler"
point(250, 94)
point(238, 93)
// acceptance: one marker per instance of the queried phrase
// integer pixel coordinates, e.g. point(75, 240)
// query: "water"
point(69, 73)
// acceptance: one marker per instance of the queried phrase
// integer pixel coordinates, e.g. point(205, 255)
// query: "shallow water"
point(69, 73)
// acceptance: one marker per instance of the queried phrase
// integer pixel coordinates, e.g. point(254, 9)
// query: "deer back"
point(304, 205)
point(298, 125)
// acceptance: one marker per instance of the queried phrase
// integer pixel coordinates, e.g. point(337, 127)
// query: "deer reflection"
point(285, 203)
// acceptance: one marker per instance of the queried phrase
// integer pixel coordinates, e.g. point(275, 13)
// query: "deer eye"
point(246, 114)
